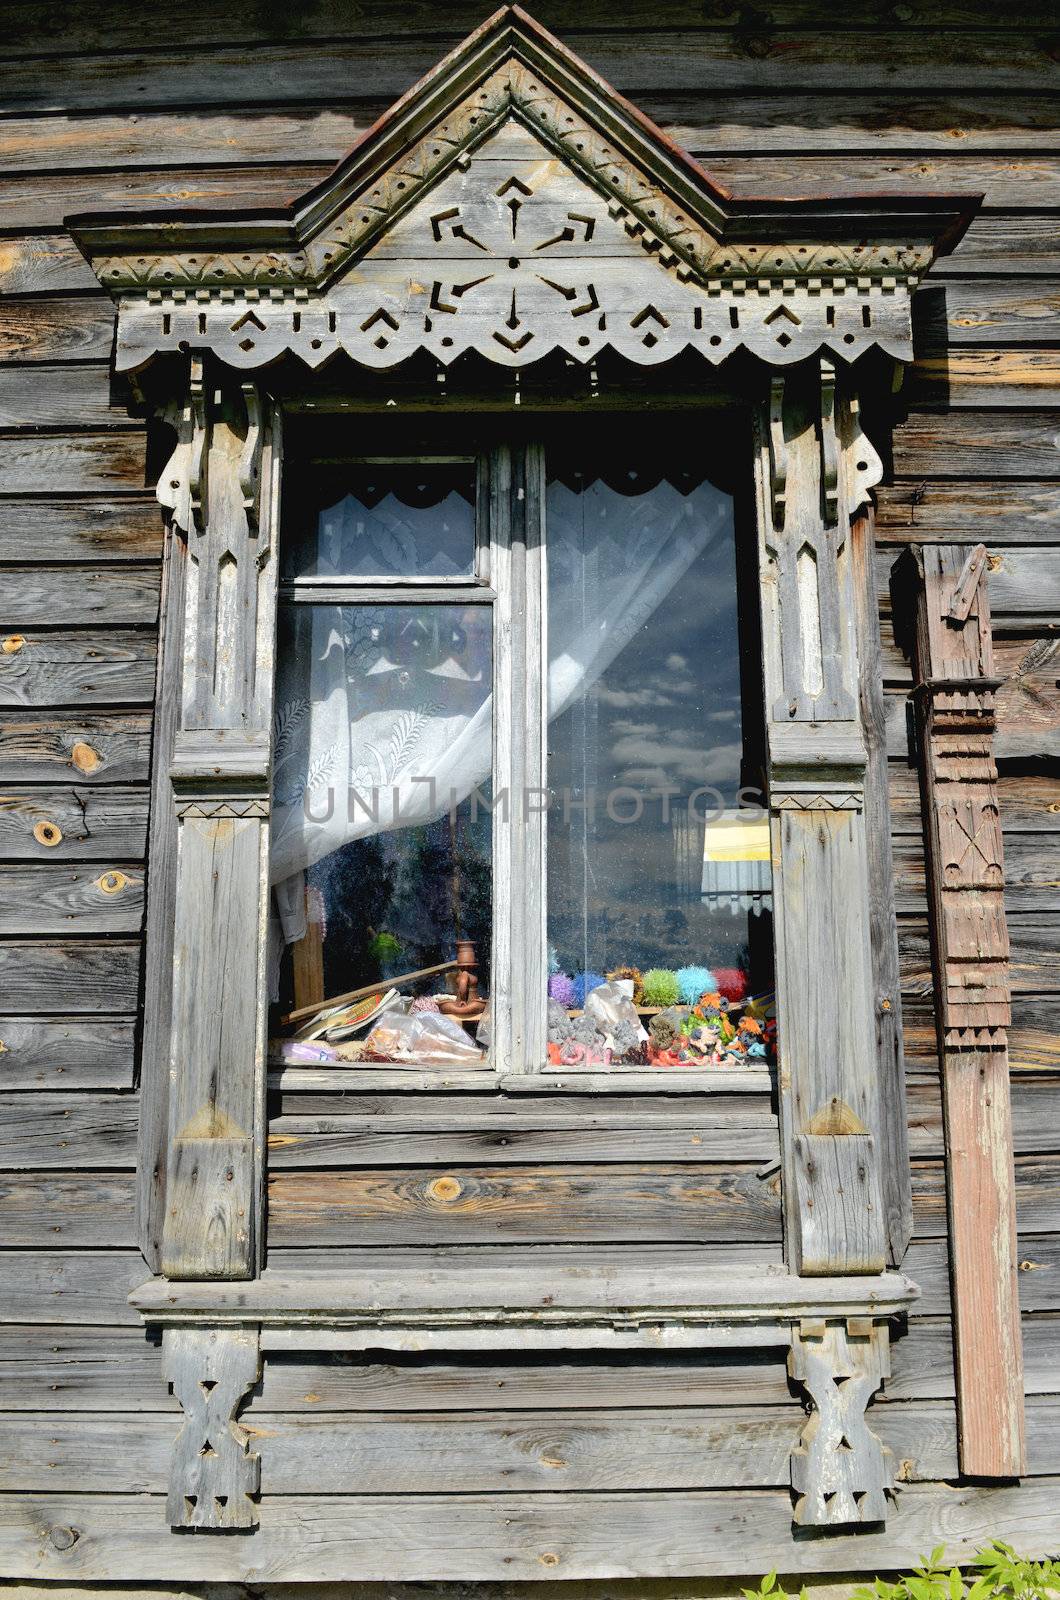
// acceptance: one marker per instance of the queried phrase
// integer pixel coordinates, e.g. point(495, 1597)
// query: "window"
point(396, 796)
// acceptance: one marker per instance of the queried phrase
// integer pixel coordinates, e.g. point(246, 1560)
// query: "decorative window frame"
point(649, 258)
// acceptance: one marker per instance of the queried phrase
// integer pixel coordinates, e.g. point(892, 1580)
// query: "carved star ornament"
point(512, 203)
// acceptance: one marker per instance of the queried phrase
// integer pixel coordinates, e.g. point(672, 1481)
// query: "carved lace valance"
point(513, 204)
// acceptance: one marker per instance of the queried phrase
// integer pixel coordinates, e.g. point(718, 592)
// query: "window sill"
point(552, 1080)
point(425, 1303)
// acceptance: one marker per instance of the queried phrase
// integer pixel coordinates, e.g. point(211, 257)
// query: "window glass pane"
point(651, 867)
point(383, 751)
point(384, 519)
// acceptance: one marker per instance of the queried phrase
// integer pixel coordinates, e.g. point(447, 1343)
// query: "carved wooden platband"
point(513, 205)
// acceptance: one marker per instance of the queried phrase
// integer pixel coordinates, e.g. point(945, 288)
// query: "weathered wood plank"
point(1037, 1190)
point(1035, 1115)
point(34, 201)
point(1035, 959)
point(1031, 877)
point(1005, 180)
point(67, 1053)
point(89, 1368)
point(76, 1211)
point(44, 263)
point(71, 463)
point(73, 1130)
point(278, 75)
point(73, 824)
point(609, 1450)
point(468, 1537)
point(91, 1286)
point(1007, 512)
point(870, 122)
point(1033, 1041)
point(93, 749)
point(95, 531)
point(57, 899)
point(61, 596)
point(78, 975)
point(80, 328)
point(496, 1111)
point(702, 1140)
point(922, 1359)
point(71, 396)
point(111, 666)
point(483, 1205)
point(36, 30)
point(970, 378)
point(1028, 802)
point(970, 444)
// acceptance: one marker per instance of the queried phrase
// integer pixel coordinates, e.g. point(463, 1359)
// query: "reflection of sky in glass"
point(394, 519)
point(665, 714)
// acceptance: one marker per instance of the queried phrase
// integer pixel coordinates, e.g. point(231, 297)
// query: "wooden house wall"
point(678, 1463)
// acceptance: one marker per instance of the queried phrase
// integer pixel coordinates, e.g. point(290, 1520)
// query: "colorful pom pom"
point(585, 983)
point(694, 981)
point(629, 975)
point(561, 989)
point(661, 987)
point(731, 982)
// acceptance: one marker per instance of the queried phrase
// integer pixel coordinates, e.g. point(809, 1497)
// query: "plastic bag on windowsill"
point(611, 1004)
point(423, 1038)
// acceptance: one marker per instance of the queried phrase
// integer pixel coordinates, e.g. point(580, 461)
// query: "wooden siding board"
point(931, 60)
point(73, 1130)
point(84, 748)
point(685, 1448)
point(48, 530)
point(469, 1537)
point(53, 824)
point(75, 975)
point(66, 1053)
point(77, 666)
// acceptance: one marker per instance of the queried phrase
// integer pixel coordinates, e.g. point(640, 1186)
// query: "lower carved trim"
point(222, 808)
point(213, 1476)
point(817, 800)
point(841, 1472)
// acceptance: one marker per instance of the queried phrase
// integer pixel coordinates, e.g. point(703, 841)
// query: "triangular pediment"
point(512, 203)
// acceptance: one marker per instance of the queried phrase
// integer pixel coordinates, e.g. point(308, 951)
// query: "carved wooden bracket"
point(219, 772)
point(841, 1472)
point(213, 1476)
point(955, 689)
point(512, 203)
point(845, 1167)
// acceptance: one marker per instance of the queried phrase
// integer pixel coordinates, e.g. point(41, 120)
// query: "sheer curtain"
point(376, 704)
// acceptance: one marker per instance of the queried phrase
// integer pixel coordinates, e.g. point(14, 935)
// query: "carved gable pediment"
point(513, 204)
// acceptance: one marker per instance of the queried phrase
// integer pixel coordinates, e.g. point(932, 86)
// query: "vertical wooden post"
point(520, 821)
point(966, 881)
point(220, 782)
point(815, 469)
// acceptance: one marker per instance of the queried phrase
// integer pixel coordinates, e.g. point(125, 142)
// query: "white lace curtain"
point(373, 701)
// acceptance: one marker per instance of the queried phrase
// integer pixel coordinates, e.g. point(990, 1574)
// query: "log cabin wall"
point(557, 1461)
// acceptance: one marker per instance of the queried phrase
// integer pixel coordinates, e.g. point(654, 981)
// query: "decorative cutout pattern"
point(213, 1474)
point(956, 695)
point(840, 1471)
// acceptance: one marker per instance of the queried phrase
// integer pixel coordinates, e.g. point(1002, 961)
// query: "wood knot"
point(84, 758)
point(63, 1538)
point(111, 882)
point(446, 1188)
point(47, 833)
point(13, 644)
point(549, 1559)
